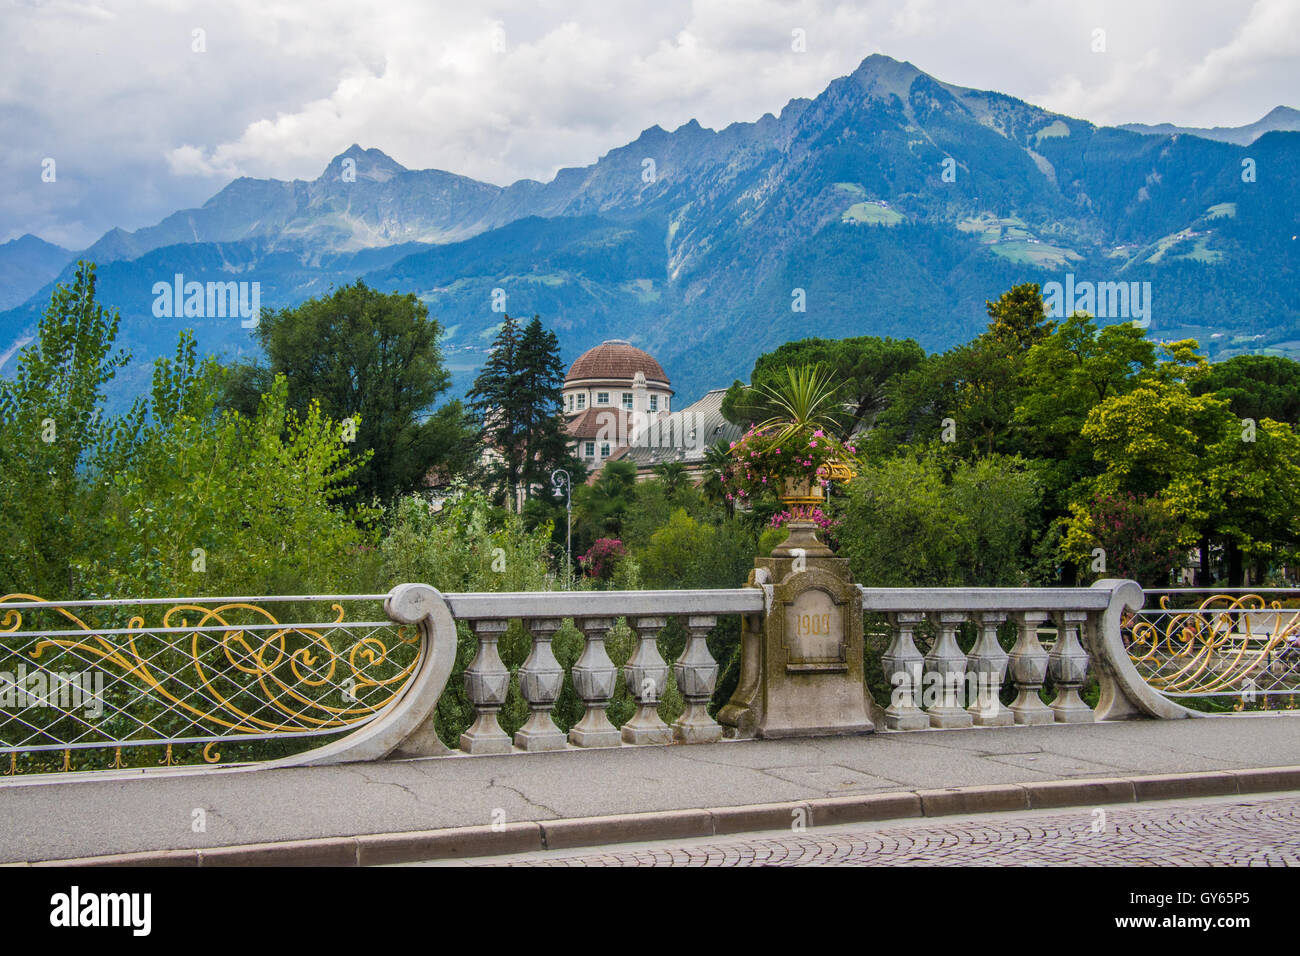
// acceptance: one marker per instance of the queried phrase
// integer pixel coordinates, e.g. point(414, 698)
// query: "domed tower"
point(606, 387)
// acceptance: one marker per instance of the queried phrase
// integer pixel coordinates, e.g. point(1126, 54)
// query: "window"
point(568, 402)
point(627, 400)
point(582, 401)
point(604, 449)
point(654, 403)
point(591, 449)
point(665, 403)
point(602, 398)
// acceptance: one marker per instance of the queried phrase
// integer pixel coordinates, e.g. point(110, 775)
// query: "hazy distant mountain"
point(891, 204)
point(26, 264)
point(1282, 118)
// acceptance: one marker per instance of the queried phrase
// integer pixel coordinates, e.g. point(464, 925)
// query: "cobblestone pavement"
point(1234, 831)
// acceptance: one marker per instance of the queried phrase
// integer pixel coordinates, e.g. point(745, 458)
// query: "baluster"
point(646, 675)
point(1068, 665)
point(697, 673)
point(593, 678)
point(540, 680)
point(988, 662)
point(903, 665)
point(487, 681)
point(1029, 669)
point(947, 664)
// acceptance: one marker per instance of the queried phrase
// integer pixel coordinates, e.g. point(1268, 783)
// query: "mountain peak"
point(883, 76)
point(371, 164)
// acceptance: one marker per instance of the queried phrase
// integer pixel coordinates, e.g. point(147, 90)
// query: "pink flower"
point(813, 444)
point(818, 434)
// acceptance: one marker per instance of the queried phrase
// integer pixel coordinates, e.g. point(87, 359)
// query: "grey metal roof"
point(684, 435)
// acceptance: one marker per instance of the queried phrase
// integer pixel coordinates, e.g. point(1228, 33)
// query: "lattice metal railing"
point(1226, 645)
point(82, 683)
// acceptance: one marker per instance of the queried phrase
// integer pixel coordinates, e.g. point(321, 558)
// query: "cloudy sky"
point(147, 106)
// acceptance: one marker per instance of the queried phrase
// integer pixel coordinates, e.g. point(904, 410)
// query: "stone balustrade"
point(594, 674)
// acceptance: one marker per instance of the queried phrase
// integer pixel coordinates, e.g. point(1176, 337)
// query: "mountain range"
point(891, 204)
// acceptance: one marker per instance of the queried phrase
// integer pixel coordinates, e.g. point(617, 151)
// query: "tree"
point(52, 431)
point(600, 507)
point(1018, 317)
point(965, 396)
point(1138, 537)
point(673, 476)
point(862, 369)
point(518, 398)
point(928, 519)
point(373, 357)
point(1231, 483)
point(1256, 386)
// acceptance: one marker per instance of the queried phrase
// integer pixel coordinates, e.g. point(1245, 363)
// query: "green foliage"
point(52, 431)
point(601, 506)
point(1256, 386)
point(1138, 535)
point(373, 357)
point(468, 545)
point(1017, 318)
point(862, 369)
point(686, 553)
point(916, 520)
point(176, 497)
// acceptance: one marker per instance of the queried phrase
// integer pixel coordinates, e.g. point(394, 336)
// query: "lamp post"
point(561, 481)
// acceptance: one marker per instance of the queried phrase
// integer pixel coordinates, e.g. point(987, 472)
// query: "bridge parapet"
point(278, 682)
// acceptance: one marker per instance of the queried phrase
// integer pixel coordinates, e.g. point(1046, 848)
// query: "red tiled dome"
point(616, 359)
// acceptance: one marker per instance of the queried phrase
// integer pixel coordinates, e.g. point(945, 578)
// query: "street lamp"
point(561, 481)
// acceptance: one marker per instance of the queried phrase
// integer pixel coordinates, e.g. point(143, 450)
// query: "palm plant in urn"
point(794, 454)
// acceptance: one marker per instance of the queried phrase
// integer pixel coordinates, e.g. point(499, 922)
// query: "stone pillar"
point(540, 680)
point(593, 678)
point(807, 660)
point(697, 673)
point(646, 676)
point(1029, 670)
point(987, 662)
point(486, 682)
point(903, 666)
point(945, 665)
point(1068, 665)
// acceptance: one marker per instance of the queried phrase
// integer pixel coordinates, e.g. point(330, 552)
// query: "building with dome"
point(611, 394)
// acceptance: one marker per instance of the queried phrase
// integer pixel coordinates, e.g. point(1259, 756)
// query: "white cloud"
point(142, 125)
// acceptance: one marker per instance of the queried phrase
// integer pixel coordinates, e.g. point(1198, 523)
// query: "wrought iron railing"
point(95, 684)
point(1233, 648)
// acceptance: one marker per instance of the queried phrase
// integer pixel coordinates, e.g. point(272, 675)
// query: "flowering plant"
point(827, 525)
point(798, 445)
point(766, 456)
point(601, 557)
point(818, 517)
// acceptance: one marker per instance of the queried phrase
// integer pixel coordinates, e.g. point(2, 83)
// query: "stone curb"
point(480, 841)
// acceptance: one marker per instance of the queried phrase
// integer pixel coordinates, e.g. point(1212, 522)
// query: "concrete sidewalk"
point(873, 777)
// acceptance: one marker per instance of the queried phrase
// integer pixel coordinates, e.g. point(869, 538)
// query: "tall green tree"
point(53, 431)
point(517, 397)
point(1018, 317)
point(360, 353)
